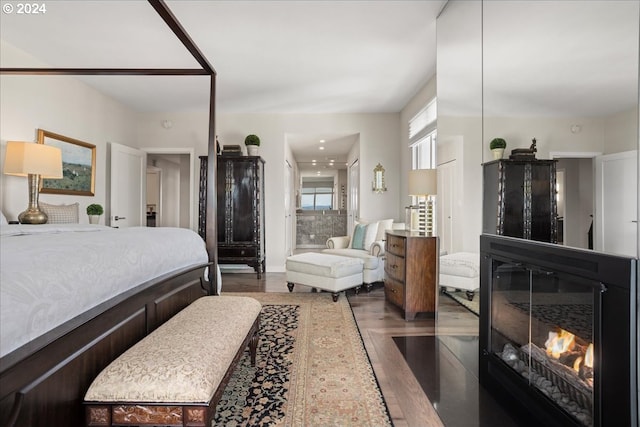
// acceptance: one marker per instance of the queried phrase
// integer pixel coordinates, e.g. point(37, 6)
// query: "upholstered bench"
point(326, 272)
point(176, 375)
point(460, 270)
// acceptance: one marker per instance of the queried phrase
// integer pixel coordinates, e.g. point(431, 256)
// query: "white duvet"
point(49, 274)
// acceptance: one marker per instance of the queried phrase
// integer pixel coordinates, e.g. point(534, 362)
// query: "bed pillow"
point(61, 214)
point(3, 219)
point(364, 235)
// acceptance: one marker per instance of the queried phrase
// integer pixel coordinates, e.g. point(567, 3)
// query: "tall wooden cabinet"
point(240, 210)
point(411, 272)
point(519, 199)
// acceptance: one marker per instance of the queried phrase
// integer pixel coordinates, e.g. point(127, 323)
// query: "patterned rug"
point(311, 370)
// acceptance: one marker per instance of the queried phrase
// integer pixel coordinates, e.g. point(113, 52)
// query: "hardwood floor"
point(440, 354)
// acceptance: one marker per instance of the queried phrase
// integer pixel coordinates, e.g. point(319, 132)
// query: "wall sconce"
point(34, 161)
point(378, 184)
point(423, 183)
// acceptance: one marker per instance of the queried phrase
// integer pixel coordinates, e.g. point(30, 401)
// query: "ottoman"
point(460, 270)
point(332, 273)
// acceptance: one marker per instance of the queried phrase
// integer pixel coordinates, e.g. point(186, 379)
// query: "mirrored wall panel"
point(556, 81)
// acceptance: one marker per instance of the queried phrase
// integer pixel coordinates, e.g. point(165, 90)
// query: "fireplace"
point(558, 332)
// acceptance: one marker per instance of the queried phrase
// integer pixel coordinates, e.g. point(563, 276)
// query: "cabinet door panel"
point(514, 201)
point(541, 198)
point(243, 197)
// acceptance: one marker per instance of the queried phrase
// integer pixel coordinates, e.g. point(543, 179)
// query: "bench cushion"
point(182, 361)
point(324, 265)
point(464, 264)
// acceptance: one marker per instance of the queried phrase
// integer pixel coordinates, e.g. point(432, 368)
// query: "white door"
point(288, 218)
point(616, 215)
point(354, 195)
point(444, 205)
point(128, 182)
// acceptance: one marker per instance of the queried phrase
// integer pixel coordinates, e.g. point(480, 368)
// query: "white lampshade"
point(24, 158)
point(423, 182)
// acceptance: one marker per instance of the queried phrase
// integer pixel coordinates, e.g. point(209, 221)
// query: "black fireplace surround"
point(559, 332)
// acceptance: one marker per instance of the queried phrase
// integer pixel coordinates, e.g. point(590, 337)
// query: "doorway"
point(575, 193)
point(169, 203)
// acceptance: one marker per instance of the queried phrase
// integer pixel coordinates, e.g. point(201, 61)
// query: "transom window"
point(422, 137)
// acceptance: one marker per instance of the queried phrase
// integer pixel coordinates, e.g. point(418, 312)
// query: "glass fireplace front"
point(542, 328)
point(558, 332)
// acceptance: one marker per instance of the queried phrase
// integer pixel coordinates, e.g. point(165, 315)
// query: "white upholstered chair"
point(370, 250)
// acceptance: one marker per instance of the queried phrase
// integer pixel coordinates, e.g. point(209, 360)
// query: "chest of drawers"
point(411, 272)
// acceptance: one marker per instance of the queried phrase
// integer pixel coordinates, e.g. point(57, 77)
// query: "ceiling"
point(301, 57)
point(321, 56)
point(270, 56)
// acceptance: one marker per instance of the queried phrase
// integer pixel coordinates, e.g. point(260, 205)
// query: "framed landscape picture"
point(78, 166)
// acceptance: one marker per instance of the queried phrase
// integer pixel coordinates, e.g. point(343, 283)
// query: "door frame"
point(577, 155)
point(192, 171)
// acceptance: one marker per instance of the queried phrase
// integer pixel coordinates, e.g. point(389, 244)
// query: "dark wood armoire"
point(519, 199)
point(240, 210)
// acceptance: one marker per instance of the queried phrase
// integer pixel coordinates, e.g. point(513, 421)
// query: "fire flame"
point(563, 341)
point(588, 357)
point(560, 342)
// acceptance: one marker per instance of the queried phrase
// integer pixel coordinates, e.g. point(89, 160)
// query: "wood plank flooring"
point(379, 322)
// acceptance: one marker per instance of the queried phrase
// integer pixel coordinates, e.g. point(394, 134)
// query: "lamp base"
point(33, 216)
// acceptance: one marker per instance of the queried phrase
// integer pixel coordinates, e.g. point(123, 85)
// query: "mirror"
point(459, 150)
point(565, 73)
point(378, 184)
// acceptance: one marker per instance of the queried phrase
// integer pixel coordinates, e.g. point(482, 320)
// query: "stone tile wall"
point(313, 228)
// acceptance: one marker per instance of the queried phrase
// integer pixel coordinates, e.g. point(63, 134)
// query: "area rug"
point(461, 298)
point(311, 369)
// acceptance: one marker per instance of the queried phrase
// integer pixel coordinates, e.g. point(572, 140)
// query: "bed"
point(74, 297)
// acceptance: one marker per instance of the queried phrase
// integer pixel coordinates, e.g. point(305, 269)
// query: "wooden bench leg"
point(253, 347)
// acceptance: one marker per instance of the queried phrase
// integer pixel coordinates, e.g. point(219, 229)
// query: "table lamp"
point(34, 161)
point(423, 184)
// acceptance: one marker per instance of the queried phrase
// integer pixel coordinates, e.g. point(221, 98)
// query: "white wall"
point(461, 140)
point(63, 105)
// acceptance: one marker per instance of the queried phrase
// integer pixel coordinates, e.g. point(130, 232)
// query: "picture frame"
point(78, 166)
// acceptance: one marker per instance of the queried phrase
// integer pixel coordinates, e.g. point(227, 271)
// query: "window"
point(422, 137)
point(317, 195)
point(423, 152)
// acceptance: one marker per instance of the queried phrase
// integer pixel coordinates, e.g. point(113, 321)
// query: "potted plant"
point(94, 211)
point(252, 142)
point(497, 146)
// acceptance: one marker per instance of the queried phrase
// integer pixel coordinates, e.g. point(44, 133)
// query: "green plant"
point(497, 143)
point(95, 209)
point(252, 140)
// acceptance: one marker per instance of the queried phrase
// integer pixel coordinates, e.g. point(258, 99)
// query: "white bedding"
point(51, 273)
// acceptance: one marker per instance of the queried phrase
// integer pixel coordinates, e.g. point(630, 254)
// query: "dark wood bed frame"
point(43, 382)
